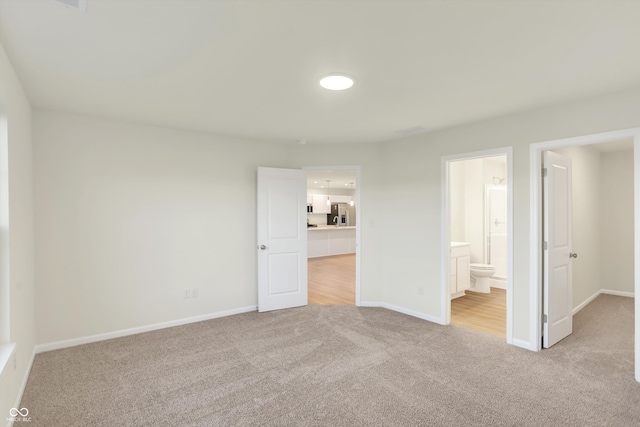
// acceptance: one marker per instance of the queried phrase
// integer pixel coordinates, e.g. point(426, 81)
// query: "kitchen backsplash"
point(318, 219)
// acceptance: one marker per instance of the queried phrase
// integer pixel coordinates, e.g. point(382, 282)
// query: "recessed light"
point(302, 141)
point(336, 82)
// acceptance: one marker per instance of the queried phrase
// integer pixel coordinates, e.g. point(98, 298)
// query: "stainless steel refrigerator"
point(339, 215)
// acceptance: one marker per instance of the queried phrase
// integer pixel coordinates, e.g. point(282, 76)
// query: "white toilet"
point(480, 274)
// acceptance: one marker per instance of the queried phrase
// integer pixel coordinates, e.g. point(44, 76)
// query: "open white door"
point(282, 238)
point(558, 301)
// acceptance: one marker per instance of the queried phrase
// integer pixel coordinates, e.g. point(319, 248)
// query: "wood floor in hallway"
point(482, 312)
point(332, 280)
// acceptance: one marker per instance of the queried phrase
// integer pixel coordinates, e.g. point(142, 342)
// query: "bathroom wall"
point(468, 179)
point(457, 200)
point(495, 170)
point(474, 208)
point(617, 221)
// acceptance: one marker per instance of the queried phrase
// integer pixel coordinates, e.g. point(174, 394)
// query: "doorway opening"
point(477, 242)
point(333, 235)
point(604, 249)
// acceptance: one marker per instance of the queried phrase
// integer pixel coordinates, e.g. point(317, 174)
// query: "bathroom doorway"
point(477, 242)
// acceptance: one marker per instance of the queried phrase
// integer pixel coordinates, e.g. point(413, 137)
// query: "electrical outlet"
point(186, 293)
point(420, 290)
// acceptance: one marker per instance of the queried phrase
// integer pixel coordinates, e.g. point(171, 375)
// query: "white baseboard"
point(370, 304)
point(617, 293)
point(403, 310)
point(124, 332)
point(524, 344)
point(498, 283)
point(586, 302)
point(597, 294)
point(23, 386)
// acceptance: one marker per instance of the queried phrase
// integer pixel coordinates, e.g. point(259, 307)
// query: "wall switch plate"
point(194, 293)
point(186, 293)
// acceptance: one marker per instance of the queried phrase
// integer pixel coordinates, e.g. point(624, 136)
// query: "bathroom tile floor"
point(482, 312)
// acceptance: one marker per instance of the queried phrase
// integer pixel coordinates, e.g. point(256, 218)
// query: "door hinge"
point(544, 318)
point(544, 245)
point(544, 172)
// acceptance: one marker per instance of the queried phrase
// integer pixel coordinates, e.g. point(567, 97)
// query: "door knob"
point(262, 247)
point(573, 255)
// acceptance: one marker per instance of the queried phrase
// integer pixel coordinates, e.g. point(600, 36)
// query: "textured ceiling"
point(251, 68)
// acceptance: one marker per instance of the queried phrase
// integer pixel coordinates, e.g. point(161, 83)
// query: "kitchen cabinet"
point(320, 206)
point(340, 199)
point(460, 279)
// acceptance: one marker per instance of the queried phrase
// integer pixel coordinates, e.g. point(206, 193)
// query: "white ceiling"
point(251, 68)
point(339, 179)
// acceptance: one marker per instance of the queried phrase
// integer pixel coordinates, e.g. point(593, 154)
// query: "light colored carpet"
point(342, 366)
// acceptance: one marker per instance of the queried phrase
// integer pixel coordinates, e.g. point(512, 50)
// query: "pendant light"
point(351, 203)
point(328, 192)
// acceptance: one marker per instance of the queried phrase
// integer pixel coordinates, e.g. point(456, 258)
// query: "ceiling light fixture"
point(336, 82)
point(328, 200)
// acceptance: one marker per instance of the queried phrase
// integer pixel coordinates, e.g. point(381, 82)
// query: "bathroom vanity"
point(460, 280)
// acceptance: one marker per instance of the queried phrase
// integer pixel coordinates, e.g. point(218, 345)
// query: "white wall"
point(617, 221)
point(129, 215)
point(18, 284)
point(411, 173)
point(587, 235)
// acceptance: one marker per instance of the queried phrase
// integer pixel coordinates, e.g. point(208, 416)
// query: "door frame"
point(445, 250)
point(358, 171)
point(535, 239)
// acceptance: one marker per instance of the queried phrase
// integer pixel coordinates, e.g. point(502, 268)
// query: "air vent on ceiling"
point(412, 130)
point(74, 4)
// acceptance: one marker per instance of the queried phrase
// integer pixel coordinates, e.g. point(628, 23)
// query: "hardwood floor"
point(482, 312)
point(332, 280)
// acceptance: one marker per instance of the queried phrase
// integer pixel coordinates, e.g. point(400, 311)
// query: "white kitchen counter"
point(331, 227)
point(459, 244)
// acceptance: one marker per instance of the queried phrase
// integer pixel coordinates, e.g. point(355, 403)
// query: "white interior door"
point(282, 238)
point(557, 294)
